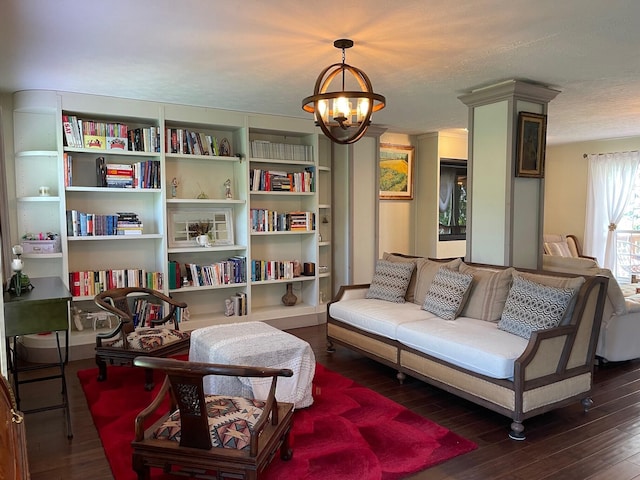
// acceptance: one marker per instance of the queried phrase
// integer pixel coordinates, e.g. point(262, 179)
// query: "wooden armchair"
point(137, 332)
point(231, 437)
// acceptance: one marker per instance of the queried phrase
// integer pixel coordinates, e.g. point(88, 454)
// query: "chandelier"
point(334, 111)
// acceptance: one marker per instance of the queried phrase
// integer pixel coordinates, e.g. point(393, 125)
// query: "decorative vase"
point(289, 299)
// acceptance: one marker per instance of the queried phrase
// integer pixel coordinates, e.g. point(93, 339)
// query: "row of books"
point(264, 220)
point(89, 283)
point(273, 269)
point(239, 303)
point(180, 140)
point(281, 151)
point(280, 181)
point(144, 174)
point(225, 272)
point(79, 133)
point(145, 311)
point(83, 224)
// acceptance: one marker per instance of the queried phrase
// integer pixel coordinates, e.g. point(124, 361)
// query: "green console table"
point(43, 309)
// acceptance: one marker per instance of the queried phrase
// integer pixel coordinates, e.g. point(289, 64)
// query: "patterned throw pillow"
point(390, 281)
point(532, 306)
point(447, 293)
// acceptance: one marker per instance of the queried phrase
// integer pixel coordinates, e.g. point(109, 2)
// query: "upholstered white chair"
point(563, 246)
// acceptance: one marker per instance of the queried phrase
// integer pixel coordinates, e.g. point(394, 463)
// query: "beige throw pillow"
point(488, 292)
point(425, 275)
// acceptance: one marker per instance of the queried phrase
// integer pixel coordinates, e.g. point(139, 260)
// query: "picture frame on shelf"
point(187, 225)
point(396, 172)
point(531, 145)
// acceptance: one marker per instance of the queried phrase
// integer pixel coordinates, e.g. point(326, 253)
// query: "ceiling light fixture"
point(333, 110)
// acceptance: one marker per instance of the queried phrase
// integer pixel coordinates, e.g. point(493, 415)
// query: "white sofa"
point(620, 331)
point(470, 355)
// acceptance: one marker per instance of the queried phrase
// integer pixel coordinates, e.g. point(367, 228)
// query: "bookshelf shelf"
point(42, 256)
point(207, 287)
point(203, 201)
point(113, 190)
point(111, 153)
point(115, 238)
point(31, 199)
point(37, 153)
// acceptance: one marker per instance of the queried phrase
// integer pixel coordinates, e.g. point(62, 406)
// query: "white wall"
point(397, 217)
point(566, 182)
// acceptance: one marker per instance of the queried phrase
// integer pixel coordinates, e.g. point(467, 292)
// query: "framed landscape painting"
point(396, 172)
point(531, 143)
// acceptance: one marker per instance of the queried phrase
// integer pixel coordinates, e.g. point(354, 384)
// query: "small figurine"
point(174, 187)
point(227, 188)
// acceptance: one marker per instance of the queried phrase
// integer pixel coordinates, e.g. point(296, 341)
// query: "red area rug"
point(349, 433)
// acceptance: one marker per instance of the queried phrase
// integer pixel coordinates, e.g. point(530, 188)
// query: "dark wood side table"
point(43, 309)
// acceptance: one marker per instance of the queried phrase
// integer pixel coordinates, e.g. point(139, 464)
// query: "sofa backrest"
point(584, 266)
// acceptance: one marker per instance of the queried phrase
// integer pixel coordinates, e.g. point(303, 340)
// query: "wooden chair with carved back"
point(142, 314)
point(217, 435)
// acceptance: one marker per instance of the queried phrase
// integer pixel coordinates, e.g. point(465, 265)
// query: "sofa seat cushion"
point(377, 316)
point(476, 345)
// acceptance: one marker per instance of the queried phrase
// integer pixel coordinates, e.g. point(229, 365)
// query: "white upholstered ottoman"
point(256, 344)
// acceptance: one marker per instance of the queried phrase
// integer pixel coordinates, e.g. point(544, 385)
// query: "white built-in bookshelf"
point(204, 162)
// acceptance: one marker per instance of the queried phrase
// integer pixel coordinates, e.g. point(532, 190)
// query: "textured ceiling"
point(264, 56)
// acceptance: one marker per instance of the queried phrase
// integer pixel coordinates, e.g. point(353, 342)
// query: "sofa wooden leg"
point(587, 403)
point(330, 347)
point(401, 377)
point(517, 431)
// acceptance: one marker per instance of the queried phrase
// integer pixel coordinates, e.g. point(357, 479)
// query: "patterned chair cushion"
point(149, 338)
point(560, 249)
point(447, 293)
point(532, 306)
point(390, 281)
point(231, 421)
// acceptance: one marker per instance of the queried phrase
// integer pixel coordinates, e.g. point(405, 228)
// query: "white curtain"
point(610, 185)
point(447, 182)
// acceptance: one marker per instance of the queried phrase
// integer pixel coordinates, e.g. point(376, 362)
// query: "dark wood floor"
point(564, 444)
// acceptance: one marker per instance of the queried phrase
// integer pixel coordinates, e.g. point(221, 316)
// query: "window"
point(628, 239)
point(453, 199)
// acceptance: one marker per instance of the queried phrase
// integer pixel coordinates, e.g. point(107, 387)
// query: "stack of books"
point(119, 175)
point(129, 224)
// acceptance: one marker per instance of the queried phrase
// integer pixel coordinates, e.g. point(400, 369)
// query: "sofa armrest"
point(543, 354)
point(569, 349)
point(351, 292)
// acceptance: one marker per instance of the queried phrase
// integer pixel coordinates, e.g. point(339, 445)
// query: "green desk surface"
point(42, 309)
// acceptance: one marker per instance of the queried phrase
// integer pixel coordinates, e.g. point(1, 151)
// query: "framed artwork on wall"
point(531, 145)
point(396, 172)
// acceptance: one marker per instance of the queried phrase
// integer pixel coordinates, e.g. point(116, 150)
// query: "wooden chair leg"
point(148, 379)
point(144, 472)
point(102, 369)
point(286, 452)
